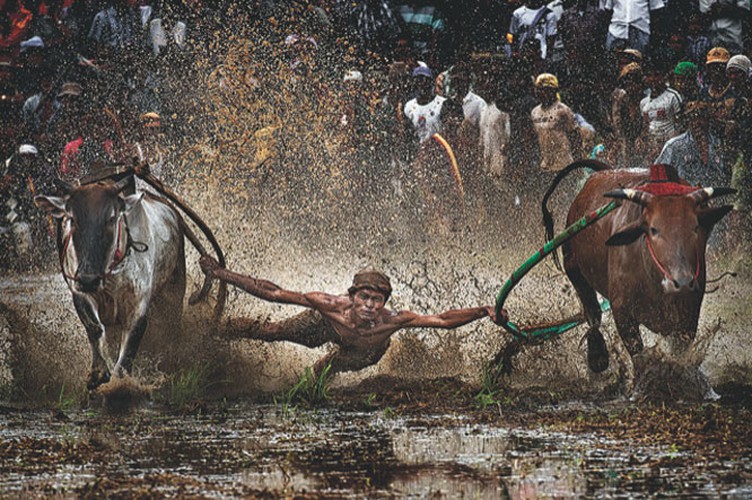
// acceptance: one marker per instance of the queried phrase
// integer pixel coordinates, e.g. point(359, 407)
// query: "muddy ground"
point(424, 440)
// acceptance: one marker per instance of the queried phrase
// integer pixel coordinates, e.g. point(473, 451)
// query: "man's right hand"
point(208, 265)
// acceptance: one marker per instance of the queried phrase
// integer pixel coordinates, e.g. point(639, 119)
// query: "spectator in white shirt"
point(424, 111)
point(661, 109)
point(630, 23)
point(726, 22)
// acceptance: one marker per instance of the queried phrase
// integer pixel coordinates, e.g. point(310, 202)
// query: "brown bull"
point(647, 257)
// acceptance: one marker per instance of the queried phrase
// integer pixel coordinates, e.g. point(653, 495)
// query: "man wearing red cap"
point(358, 324)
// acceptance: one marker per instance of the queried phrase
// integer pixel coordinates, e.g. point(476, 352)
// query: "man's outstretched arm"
point(262, 289)
point(267, 290)
point(449, 319)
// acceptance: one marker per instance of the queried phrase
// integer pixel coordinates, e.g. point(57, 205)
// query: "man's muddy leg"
point(322, 363)
point(307, 328)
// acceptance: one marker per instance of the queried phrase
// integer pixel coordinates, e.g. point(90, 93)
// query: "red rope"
point(666, 274)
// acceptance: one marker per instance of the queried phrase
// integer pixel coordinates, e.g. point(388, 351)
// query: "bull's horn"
point(639, 197)
point(63, 186)
point(121, 184)
point(704, 194)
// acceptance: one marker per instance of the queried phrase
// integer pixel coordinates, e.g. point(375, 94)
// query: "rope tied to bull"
point(545, 331)
point(142, 170)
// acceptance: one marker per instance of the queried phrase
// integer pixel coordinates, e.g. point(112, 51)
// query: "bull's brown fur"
point(611, 257)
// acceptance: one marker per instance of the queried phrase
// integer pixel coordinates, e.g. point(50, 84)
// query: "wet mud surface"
point(429, 441)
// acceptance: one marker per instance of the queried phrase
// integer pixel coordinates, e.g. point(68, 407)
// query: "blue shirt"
point(683, 153)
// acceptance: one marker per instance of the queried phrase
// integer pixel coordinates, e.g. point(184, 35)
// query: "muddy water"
point(243, 449)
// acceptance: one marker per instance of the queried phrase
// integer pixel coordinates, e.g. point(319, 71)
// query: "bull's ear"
point(708, 217)
point(626, 235)
point(132, 200)
point(55, 205)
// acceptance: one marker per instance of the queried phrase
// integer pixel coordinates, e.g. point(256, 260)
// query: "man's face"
point(655, 79)
point(685, 83)
point(424, 86)
point(697, 123)
point(736, 76)
point(461, 84)
point(716, 71)
point(367, 304)
point(546, 95)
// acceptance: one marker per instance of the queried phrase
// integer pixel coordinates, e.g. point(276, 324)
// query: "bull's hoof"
point(597, 353)
point(97, 378)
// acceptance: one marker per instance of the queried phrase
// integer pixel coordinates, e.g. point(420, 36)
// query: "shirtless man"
point(556, 126)
point(358, 324)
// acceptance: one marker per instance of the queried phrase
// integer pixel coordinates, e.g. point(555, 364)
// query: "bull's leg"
point(629, 332)
point(678, 343)
point(94, 330)
point(597, 352)
point(130, 347)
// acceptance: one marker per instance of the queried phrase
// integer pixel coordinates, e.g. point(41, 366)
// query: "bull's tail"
point(548, 218)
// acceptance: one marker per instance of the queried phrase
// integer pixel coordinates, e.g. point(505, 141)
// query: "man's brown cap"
point(631, 69)
point(635, 54)
point(372, 279)
point(717, 55)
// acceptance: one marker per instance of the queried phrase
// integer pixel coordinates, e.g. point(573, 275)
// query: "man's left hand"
point(499, 321)
point(208, 265)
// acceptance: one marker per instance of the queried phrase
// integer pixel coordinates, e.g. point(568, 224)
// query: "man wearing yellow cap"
point(358, 324)
point(555, 126)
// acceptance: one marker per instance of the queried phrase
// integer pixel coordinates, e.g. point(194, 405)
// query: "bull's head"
point(94, 235)
point(676, 230)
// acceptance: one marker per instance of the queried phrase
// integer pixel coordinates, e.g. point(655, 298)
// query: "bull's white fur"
point(128, 291)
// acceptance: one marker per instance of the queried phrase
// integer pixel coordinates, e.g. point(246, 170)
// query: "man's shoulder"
point(679, 141)
point(561, 107)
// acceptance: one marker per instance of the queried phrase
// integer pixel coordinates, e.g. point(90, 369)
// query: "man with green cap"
point(358, 324)
point(685, 81)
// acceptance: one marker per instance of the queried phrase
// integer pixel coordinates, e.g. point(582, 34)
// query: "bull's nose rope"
point(663, 270)
point(547, 331)
point(117, 258)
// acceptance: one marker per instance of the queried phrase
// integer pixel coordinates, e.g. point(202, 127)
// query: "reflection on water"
point(251, 449)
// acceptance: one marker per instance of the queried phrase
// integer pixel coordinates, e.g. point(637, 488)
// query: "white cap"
point(353, 76)
point(27, 149)
point(35, 41)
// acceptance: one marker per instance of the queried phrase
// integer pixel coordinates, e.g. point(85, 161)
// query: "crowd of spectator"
point(518, 88)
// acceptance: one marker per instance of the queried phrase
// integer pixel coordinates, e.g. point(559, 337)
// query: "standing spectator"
point(460, 88)
point(630, 23)
point(719, 95)
point(685, 81)
point(582, 23)
point(495, 131)
point(738, 70)
point(532, 30)
point(516, 97)
point(117, 27)
point(698, 43)
point(727, 19)
point(71, 101)
point(426, 27)
point(626, 119)
point(424, 111)
point(661, 109)
point(557, 129)
point(696, 153)
point(374, 23)
point(41, 109)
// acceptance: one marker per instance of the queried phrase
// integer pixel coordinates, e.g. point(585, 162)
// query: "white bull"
point(123, 258)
